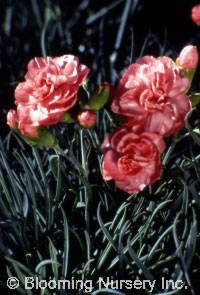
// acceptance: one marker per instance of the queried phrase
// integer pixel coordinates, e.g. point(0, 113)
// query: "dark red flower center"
point(128, 165)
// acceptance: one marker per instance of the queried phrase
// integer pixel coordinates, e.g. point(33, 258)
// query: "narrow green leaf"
point(43, 263)
point(191, 241)
point(13, 209)
point(153, 250)
point(53, 254)
point(189, 128)
point(31, 193)
point(150, 220)
point(48, 198)
point(104, 230)
point(66, 246)
point(20, 265)
point(107, 291)
point(55, 165)
point(13, 184)
point(139, 263)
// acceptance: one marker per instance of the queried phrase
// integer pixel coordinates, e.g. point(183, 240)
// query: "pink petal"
point(110, 165)
point(156, 139)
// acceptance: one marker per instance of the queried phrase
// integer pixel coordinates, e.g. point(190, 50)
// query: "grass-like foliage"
point(59, 220)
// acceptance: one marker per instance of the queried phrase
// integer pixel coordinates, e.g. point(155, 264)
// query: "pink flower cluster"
point(50, 89)
point(151, 100)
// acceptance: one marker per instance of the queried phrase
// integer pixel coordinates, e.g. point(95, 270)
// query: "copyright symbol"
point(12, 283)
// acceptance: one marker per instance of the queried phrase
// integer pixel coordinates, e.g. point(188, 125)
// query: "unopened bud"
point(188, 58)
point(195, 14)
point(87, 118)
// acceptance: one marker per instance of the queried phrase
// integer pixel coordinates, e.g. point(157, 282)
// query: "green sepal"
point(194, 98)
point(189, 74)
point(67, 118)
point(99, 97)
point(44, 139)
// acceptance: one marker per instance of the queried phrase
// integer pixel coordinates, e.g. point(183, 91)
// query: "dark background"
point(153, 27)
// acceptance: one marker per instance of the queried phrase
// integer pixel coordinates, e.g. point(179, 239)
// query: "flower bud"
point(87, 118)
point(188, 58)
point(195, 14)
point(12, 119)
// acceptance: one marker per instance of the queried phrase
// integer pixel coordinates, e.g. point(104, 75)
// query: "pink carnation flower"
point(50, 90)
point(132, 160)
point(152, 91)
